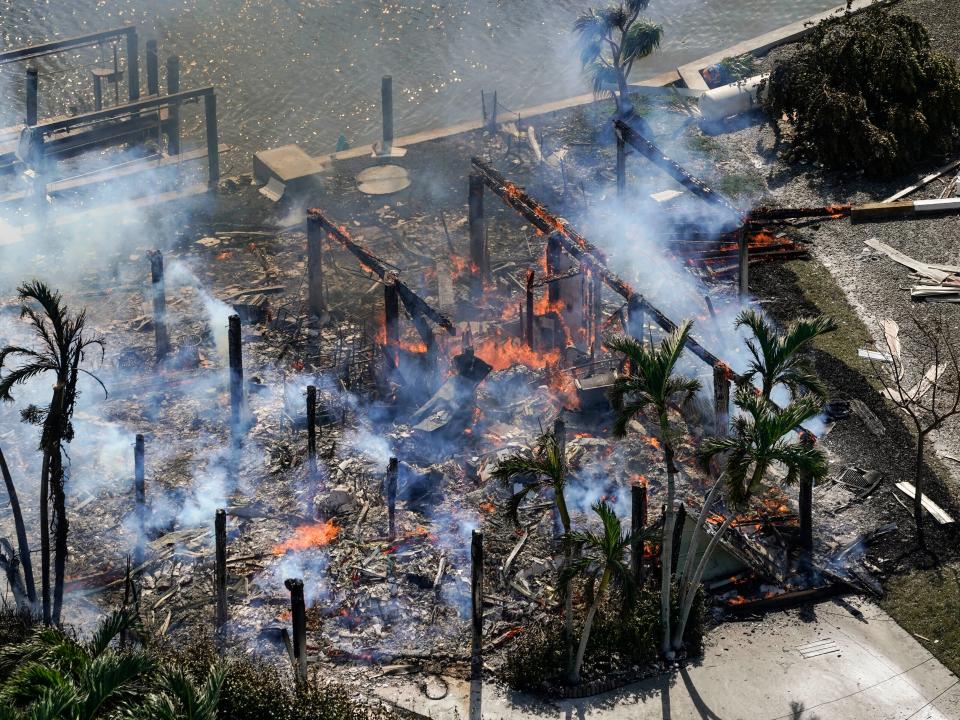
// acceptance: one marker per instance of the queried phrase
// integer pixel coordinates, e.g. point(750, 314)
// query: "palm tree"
point(776, 356)
point(543, 467)
point(63, 347)
point(759, 440)
point(23, 545)
point(651, 383)
point(51, 675)
point(612, 39)
point(604, 559)
point(180, 697)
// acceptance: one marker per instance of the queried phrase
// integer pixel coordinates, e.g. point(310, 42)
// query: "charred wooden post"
point(153, 68)
point(236, 377)
point(721, 398)
point(298, 612)
point(638, 523)
point(530, 316)
point(312, 428)
point(391, 312)
point(386, 96)
point(596, 295)
point(159, 306)
point(213, 142)
point(315, 299)
point(621, 163)
point(33, 95)
point(139, 498)
point(133, 65)
point(678, 537)
point(173, 113)
point(743, 260)
point(476, 604)
point(477, 236)
point(220, 570)
point(554, 255)
point(393, 469)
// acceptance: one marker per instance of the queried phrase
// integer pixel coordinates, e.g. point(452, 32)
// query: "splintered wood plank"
point(936, 512)
point(925, 181)
point(918, 267)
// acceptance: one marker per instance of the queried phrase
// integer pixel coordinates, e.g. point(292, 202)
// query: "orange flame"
point(309, 536)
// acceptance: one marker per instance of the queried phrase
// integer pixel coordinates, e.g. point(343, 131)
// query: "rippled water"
point(307, 71)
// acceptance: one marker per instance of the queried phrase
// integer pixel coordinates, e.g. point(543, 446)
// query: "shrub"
point(866, 92)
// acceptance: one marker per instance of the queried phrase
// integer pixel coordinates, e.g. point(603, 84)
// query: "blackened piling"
point(139, 497)
point(386, 98)
point(298, 612)
point(153, 68)
point(33, 95)
point(312, 427)
point(236, 377)
point(476, 604)
point(173, 114)
point(315, 234)
point(393, 469)
point(220, 570)
point(159, 306)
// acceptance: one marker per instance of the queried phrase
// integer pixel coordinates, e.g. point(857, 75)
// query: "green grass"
point(703, 143)
point(742, 185)
point(926, 603)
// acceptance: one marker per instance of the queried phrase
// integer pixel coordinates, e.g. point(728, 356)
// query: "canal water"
point(309, 71)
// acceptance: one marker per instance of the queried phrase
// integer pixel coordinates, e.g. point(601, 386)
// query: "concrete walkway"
point(848, 661)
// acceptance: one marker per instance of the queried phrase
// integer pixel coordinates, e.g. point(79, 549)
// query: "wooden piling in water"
point(213, 141)
point(173, 113)
point(236, 377)
point(220, 569)
point(638, 523)
point(298, 612)
point(386, 98)
point(133, 65)
point(139, 498)
point(393, 469)
point(315, 233)
point(159, 306)
point(477, 223)
point(476, 604)
point(33, 95)
point(153, 68)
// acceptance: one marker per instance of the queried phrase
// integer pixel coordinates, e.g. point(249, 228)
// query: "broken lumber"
point(936, 512)
point(921, 268)
point(923, 182)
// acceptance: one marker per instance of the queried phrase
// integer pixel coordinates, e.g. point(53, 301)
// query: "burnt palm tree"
point(612, 39)
point(776, 358)
point(63, 346)
point(651, 384)
point(543, 467)
point(763, 435)
point(602, 559)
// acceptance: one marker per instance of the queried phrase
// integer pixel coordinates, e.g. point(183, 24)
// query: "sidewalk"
point(849, 661)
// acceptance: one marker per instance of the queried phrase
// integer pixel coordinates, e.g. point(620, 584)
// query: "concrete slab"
point(850, 661)
point(288, 164)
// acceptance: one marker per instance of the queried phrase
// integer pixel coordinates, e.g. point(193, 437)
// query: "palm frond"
point(641, 40)
point(111, 679)
point(109, 629)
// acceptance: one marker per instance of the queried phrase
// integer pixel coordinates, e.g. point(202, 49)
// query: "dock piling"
point(139, 498)
point(476, 604)
point(133, 65)
point(298, 612)
point(33, 95)
point(153, 68)
point(173, 119)
point(213, 142)
point(393, 469)
point(386, 97)
point(220, 572)
point(159, 306)
point(236, 378)
point(315, 233)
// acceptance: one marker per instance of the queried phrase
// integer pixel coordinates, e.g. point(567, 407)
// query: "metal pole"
point(477, 236)
point(153, 68)
point(173, 113)
point(298, 611)
point(236, 376)
point(33, 94)
point(139, 498)
point(159, 306)
point(743, 252)
point(220, 578)
point(318, 305)
point(133, 65)
point(638, 520)
point(213, 143)
point(476, 603)
point(530, 277)
point(386, 95)
point(721, 398)
point(393, 469)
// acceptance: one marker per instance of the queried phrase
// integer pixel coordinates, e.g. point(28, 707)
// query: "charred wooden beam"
point(315, 299)
point(159, 305)
point(220, 571)
point(298, 612)
point(827, 211)
point(236, 376)
point(139, 498)
point(312, 428)
point(476, 604)
point(413, 302)
point(393, 469)
point(655, 155)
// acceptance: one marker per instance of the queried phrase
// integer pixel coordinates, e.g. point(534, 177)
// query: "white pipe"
point(730, 100)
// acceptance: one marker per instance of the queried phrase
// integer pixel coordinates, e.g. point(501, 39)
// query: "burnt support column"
point(153, 68)
point(530, 318)
point(33, 95)
point(312, 427)
point(638, 520)
point(597, 295)
point(391, 312)
point(721, 398)
point(743, 254)
point(386, 97)
point(315, 233)
point(133, 65)
point(393, 469)
point(298, 612)
point(236, 378)
point(621, 164)
point(220, 571)
point(139, 499)
point(159, 306)
point(478, 251)
point(554, 256)
point(476, 604)
point(213, 142)
point(173, 112)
